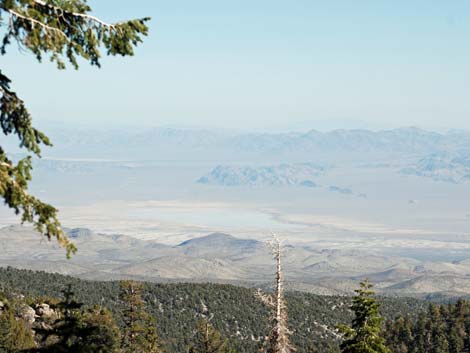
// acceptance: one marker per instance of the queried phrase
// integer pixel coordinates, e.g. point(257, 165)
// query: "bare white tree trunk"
point(279, 338)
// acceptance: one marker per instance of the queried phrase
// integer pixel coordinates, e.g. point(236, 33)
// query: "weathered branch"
point(266, 299)
point(78, 14)
point(36, 22)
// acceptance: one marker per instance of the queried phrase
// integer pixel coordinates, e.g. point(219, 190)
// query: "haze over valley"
point(350, 203)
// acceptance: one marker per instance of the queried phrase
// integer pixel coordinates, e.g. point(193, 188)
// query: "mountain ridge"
point(172, 142)
point(224, 258)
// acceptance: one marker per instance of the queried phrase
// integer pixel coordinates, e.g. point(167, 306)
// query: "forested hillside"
point(439, 329)
point(237, 313)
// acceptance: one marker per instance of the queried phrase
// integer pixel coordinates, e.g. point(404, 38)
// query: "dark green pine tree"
point(62, 31)
point(101, 334)
point(208, 340)
point(456, 340)
point(456, 330)
point(462, 312)
point(421, 337)
point(80, 331)
point(364, 336)
point(139, 333)
point(66, 332)
point(399, 335)
point(437, 329)
point(15, 335)
point(440, 329)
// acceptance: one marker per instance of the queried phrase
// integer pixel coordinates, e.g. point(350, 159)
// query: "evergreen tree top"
point(364, 335)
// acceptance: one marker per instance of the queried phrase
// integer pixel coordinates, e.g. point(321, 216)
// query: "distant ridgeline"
point(198, 144)
point(239, 315)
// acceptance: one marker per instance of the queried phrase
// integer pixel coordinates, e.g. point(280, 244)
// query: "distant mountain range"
point(255, 159)
point(223, 258)
point(191, 144)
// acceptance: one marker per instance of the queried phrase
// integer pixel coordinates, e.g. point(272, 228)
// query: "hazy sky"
point(269, 65)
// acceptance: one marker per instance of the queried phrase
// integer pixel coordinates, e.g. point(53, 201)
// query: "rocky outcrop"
point(279, 175)
point(28, 314)
point(44, 311)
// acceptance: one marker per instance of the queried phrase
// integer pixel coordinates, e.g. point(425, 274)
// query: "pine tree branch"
point(60, 12)
point(91, 18)
point(36, 22)
point(68, 31)
point(64, 32)
point(13, 189)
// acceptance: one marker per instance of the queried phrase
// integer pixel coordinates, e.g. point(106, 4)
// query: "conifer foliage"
point(139, 333)
point(364, 335)
point(208, 340)
point(77, 330)
point(15, 336)
point(62, 31)
point(440, 329)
